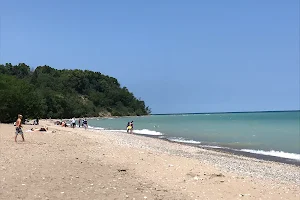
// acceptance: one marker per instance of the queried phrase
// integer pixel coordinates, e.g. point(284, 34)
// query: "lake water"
point(266, 133)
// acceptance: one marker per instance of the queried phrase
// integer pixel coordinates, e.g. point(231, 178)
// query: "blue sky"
point(178, 56)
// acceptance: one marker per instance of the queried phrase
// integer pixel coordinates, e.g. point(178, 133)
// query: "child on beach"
point(19, 128)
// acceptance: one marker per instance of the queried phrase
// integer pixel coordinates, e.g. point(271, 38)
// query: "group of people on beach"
point(19, 131)
point(81, 123)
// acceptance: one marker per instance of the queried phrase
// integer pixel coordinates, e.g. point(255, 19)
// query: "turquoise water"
point(269, 133)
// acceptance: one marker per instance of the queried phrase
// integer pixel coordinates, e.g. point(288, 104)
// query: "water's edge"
point(226, 150)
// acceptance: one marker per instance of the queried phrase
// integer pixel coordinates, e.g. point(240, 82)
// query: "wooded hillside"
point(47, 92)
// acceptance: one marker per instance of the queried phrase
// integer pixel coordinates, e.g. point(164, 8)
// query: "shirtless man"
point(19, 128)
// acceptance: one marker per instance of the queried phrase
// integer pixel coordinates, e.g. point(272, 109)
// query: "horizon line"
point(228, 112)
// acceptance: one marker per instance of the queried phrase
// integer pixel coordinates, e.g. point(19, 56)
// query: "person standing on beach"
point(85, 124)
point(79, 122)
point(130, 127)
point(19, 128)
point(73, 122)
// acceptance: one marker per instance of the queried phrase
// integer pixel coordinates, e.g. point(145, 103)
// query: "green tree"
point(17, 96)
point(48, 92)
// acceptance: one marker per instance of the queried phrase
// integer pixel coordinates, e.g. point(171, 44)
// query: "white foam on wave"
point(182, 140)
point(95, 128)
point(111, 130)
point(140, 132)
point(214, 147)
point(147, 132)
point(281, 154)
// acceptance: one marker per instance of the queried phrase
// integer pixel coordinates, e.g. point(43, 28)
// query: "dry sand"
point(67, 163)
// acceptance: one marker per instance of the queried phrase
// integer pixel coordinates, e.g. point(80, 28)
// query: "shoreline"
point(244, 156)
point(283, 150)
point(227, 150)
point(237, 152)
point(221, 149)
point(67, 163)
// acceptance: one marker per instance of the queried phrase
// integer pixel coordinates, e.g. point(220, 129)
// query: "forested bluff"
point(45, 92)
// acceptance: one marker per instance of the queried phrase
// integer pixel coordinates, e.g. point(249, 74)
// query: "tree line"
point(46, 92)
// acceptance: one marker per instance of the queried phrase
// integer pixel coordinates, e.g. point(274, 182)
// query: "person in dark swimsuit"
point(85, 124)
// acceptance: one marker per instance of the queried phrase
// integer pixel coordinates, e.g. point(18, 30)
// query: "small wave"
point(95, 128)
point(147, 132)
point(140, 132)
point(111, 130)
point(182, 140)
point(281, 154)
point(214, 147)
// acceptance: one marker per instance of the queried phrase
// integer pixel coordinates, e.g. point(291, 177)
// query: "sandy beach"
point(66, 163)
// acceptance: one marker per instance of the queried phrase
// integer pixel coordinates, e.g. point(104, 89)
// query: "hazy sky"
point(178, 56)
